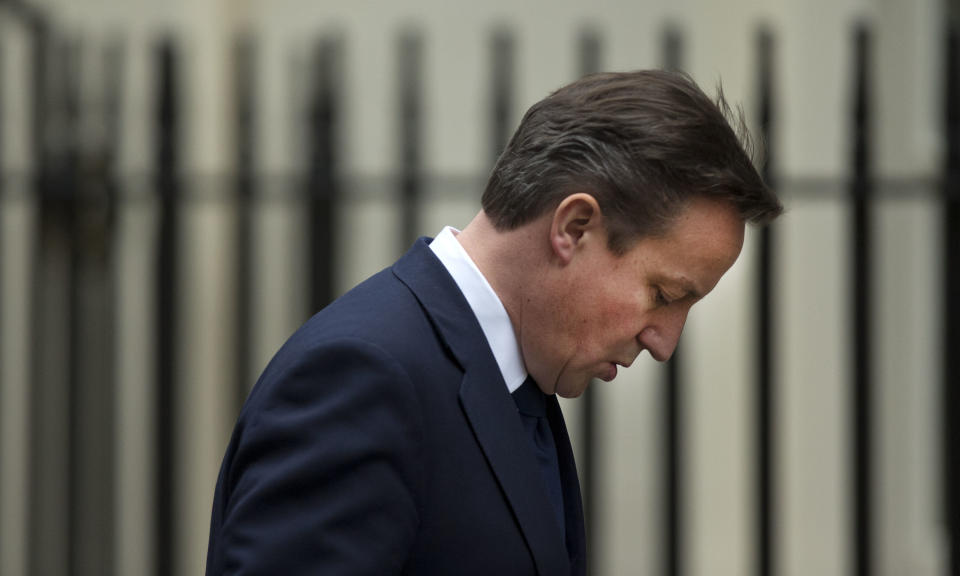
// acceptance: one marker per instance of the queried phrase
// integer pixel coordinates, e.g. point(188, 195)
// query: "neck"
point(510, 260)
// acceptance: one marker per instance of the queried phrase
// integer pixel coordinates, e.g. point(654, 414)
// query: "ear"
point(576, 219)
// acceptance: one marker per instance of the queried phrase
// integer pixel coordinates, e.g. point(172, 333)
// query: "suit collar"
point(488, 407)
point(446, 307)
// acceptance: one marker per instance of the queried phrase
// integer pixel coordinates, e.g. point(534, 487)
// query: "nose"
point(660, 337)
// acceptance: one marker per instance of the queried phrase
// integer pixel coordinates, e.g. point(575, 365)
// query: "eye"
point(661, 298)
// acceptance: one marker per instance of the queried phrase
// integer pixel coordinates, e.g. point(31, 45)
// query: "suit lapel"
point(497, 427)
point(490, 410)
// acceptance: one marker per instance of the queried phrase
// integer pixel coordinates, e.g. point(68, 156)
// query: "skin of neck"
point(514, 262)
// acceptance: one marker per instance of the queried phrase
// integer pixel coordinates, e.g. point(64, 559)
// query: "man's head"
point(619, 202)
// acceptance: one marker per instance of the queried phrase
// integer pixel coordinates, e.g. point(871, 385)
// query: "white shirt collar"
point(486, 306)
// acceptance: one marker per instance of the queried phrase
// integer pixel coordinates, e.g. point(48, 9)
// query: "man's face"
point(599, 310)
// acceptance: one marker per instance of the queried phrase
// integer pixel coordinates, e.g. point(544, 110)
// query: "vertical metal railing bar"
point(51, 512)
point(3, 173)
point(503, 80)
point(672, 56)
point(861, 399)
point(590, 58)
point(324, 191)
point(166, 162)
point(766, 393)
point(67, 186)
point(951, 287)
point(107, 178)
point(244, 80)
point(673, 510)
point(92, 152)
point(410, 70)
point(39, 34)
point(3, 360)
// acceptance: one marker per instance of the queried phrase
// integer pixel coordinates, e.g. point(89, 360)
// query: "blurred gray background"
point(86, 485)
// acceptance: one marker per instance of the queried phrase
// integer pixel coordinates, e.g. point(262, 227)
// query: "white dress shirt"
point(486, 306)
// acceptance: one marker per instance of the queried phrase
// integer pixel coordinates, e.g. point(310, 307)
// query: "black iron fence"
point(76, 188)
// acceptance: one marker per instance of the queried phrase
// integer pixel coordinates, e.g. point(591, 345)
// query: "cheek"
point(620, 318)
point(565, 332)
point(594, 318)
point(549, 343)
point(602, 323)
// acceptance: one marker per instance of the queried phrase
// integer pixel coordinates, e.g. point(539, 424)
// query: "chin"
point(574, 393)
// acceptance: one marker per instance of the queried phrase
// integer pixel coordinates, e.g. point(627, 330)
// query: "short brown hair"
point(642, 143)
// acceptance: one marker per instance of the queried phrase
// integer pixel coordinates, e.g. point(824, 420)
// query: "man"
point(412, 426)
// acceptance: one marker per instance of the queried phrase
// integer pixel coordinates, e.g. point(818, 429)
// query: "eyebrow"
point(686, 285)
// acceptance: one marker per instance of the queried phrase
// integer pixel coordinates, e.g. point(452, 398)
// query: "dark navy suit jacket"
point(381, 439)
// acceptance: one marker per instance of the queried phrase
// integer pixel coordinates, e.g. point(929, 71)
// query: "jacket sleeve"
point(322, 475)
